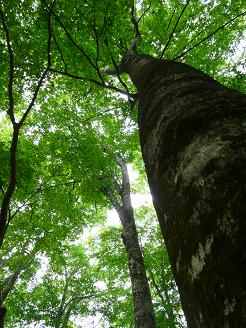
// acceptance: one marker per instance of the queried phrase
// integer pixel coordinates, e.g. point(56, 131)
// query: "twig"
point(208, 36)
point(40, 82)
point(116, 68)
point(98, 53)
point(170, 21)
point(97, 115)
point(194, 37)
point(71, 39)
point(60, 52)
point(145, 11)
point(174, 29)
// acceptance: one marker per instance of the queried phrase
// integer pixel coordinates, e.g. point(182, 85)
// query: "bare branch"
point(208, 36)
point(60, 52)
point(171, 18)
point(174, 29)
point(143, 14)
point(98, 115)
point(11, 69)
point(138, 37)
point(194, 37)
point(33, 193)
point(71, 38)
point(103, 85)
point(135, 23)
point(78, 298)
point(116, 69)
point(40, 82)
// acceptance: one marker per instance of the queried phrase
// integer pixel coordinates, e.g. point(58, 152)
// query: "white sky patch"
point(38, 278)
point(239, 52)
point(2, 115)
point(91, 321)
point(100, 285)
point(112, 219)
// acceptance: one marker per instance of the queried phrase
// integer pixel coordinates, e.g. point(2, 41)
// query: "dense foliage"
point(74, 119)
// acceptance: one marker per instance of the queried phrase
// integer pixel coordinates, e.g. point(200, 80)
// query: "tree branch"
point(43, 75)
point(60, 52)
point(13, 149)
point(109, 194)
point(103, 85)
point(97, 50)
point(116, 69)
point(156, 286)
point(171, 18)
point(208, 36)
point(135, 23)
point(145, 11)
point(174, 29)
point(71, 39)
point(78, 298)
point(11, 69)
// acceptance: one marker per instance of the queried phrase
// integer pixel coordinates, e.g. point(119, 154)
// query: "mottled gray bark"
point(143, 307)
point(193, 139)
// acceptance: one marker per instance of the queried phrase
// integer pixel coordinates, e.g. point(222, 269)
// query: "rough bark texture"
point(193, 139)
point(143, 307)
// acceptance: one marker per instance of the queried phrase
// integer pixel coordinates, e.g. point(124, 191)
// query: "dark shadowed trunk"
point(192, 133)
point(143, 307)
point(2, 315)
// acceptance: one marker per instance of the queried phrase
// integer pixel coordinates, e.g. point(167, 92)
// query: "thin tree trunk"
point(143, 307)
point(2, 315)
point(9, 283)
point(192, 133)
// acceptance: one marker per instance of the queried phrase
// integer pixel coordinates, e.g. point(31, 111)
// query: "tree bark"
point(193, 139)
point(143, 307)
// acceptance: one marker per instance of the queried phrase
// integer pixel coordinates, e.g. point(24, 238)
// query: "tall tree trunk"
point(143, 307)
point(193, 138)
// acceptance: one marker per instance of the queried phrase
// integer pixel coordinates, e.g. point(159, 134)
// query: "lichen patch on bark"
point(229, 306)
point(198, 260)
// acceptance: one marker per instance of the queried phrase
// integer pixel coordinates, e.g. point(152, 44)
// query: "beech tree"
point(121, 201)
point(192, 181)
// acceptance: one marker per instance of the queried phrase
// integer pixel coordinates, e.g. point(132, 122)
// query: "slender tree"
point(143, 307)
